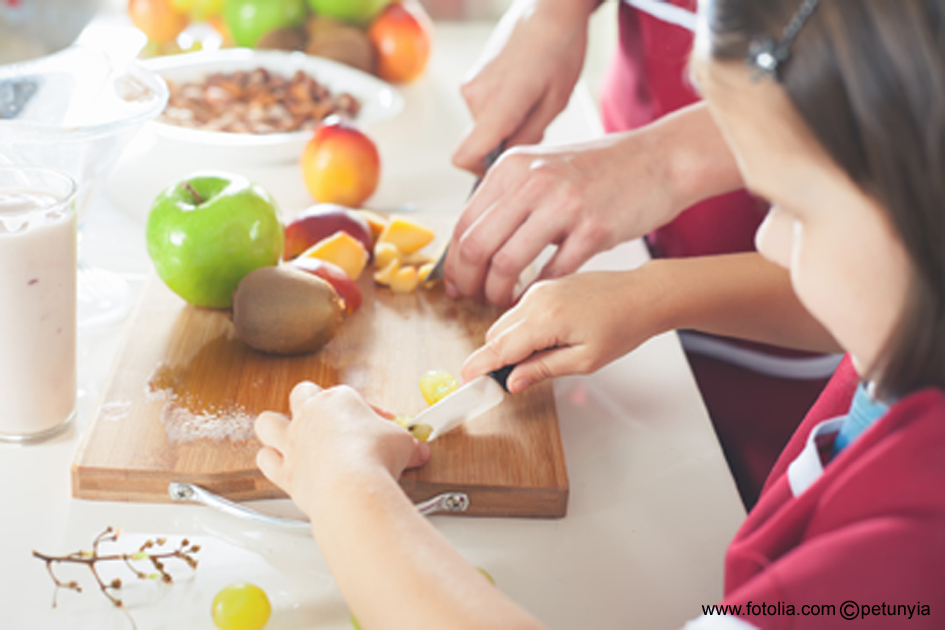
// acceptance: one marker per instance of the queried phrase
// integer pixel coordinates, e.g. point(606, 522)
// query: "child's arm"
point(339, 461)
point(578, 324)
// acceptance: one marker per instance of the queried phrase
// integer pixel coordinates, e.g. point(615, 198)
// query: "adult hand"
point(584, 198)
point(525, 76)
point(332, 431)
point(573, 325)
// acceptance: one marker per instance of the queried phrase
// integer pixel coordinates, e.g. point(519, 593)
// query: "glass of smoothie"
point(37, 302)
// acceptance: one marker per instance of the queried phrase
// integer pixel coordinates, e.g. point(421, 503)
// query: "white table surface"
point(652, 504)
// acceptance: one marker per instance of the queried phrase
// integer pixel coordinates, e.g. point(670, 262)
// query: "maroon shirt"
point(869, 529)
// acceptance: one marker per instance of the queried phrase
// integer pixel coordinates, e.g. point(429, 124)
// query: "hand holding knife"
point(469, 401)
point(439, 268)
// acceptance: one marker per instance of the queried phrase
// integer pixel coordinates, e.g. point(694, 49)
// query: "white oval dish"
point(379, 100)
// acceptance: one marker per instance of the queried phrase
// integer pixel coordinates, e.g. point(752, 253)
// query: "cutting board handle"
point(190, 493)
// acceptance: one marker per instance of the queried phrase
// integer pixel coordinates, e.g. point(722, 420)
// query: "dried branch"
point(184, 552)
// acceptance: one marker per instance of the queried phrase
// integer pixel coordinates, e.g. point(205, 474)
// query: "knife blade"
point(439, 267)
point(469, 401)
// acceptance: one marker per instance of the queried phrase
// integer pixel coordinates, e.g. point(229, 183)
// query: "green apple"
point(360, 12)
point(208, 231)
point(249, 20)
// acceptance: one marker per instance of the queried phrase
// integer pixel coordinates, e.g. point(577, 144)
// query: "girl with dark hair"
point(838, 119)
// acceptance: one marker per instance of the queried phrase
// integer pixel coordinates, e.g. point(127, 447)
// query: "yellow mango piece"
point(343, 250)
point(384, 253)
point(385, 275)
point(415, 259)
point(407, 235)
point(424, 272)
point(405, 280)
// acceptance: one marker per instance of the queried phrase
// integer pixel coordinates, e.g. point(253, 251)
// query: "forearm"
point(737, 295)
point(394, 568)
point(698, 163)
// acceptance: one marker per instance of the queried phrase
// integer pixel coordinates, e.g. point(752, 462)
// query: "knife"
point(439, 267)
point(469, 401)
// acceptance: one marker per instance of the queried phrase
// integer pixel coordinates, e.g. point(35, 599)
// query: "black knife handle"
point(501, 376)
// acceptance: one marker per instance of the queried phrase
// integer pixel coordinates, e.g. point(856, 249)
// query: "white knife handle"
point(188, 492)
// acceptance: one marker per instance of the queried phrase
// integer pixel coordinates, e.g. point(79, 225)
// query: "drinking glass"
point(37, 302)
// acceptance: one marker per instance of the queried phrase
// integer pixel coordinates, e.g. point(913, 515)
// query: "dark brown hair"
point(868, 78)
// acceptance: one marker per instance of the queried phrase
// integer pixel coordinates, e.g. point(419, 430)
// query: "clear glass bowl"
point(75, 111)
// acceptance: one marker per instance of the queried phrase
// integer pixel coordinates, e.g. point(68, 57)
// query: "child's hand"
point(332, 432)
point(573, 325)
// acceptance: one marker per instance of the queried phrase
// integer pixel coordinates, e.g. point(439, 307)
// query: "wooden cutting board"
point(183, 391)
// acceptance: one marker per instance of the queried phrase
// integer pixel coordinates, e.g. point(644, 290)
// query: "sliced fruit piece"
point(404, 280)
point(343, 250)
point(415, 259)
point(424, 272)
point(376, 221)
point(384, 253)
point(420, 431)
point(385, 275)
point(321, 221)
point(436, 385)
point(407, 235)
point(404, 421)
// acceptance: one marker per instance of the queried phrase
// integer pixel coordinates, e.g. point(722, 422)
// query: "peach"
point(343, 250)
point(402, 34)
point(340, 164)
point(321, 221)
point(158, 19)
point(409, 236)
point(334, 275)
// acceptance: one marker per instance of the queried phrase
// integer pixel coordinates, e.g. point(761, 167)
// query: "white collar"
point(806, 467)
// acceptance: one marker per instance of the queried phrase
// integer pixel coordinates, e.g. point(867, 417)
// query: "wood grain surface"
point(179, 404)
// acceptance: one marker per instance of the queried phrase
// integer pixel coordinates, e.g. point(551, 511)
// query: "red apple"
point(321, 221)
point(334, 275)
point(402, 36)
point(340, 164)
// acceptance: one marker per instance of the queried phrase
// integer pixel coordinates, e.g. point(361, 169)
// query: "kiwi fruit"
point(340, 42)
point(283, 310)
point(286, 38)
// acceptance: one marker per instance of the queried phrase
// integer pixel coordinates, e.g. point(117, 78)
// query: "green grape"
point(421, 431)
point(436, 385)
point(403, 420)
point(241, 606)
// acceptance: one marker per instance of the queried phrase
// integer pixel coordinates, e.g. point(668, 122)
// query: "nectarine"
point(340, 164)
point(402, 34)
point(321, 221)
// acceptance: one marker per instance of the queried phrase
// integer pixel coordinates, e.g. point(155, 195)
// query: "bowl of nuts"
point(261, 106)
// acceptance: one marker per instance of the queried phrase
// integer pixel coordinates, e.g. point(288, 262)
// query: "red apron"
point(648, 79)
